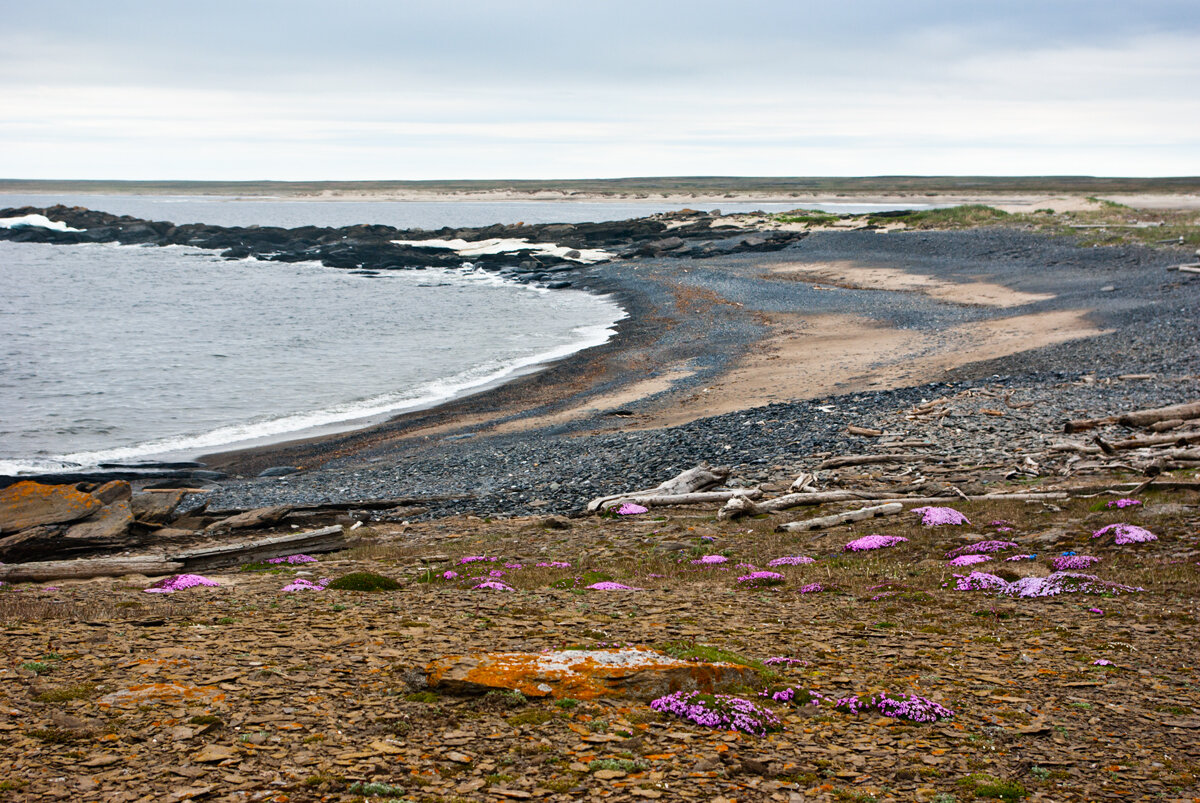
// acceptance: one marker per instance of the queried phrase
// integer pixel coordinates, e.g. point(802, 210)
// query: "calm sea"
point(119, 354)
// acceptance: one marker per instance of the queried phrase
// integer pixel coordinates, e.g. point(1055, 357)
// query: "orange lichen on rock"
point(165, 692)
point(27, 504)
point(582, 674)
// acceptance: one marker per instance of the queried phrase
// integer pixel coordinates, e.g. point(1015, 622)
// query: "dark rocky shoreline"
point(366, 247)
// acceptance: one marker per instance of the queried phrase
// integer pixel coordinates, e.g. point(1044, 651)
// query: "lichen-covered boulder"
point(582, 674)
point(30, 504)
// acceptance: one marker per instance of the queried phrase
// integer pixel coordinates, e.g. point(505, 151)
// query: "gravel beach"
point(596, 422)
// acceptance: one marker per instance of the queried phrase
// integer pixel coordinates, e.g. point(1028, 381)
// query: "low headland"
point(1011, 396)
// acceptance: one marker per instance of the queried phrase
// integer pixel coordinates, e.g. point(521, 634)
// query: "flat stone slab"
point(28, 504)
point(582, 674)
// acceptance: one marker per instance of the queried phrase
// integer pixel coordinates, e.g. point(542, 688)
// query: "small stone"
point(457, 757)
point(213, 753)
point(609, 775)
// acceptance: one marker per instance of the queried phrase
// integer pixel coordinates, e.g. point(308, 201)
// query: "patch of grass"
point(375, 788)
point(56, 735)
point(622, 764)
point(690, 651)
point(504, 699)
point(327, 783)
point(534, 717)
point(37, 667)
point(989, 786)
point(567, 703)
point(586, 579)
point(955, 217)
point(83, 691)
point(422, 697)
point(807, 217)
point(363, 581)
point(12, 785)
point(205, 719)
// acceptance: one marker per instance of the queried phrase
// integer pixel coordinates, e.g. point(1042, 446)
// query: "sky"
point(459, 89)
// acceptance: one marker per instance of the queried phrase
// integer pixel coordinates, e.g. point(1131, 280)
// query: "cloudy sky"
point(392, 89)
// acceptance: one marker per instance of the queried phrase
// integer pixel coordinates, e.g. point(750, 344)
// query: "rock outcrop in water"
point(685, 234)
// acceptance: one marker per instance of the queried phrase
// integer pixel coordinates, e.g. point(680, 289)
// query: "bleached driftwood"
point(869, 459)
point(839, 518)
point(1144, 418)
point(735, 508)
point(41, 571)
point(698, 498)
point(865, 432)
point(805, 483)
point(326, 539)
point(700, 478)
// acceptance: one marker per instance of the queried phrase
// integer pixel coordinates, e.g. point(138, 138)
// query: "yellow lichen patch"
point(161, 692)
point(581, 674)
point(25, 504)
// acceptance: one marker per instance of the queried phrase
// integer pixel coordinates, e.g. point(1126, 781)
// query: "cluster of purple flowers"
point(795, 696)
point(608, 585)
point(178, 582)
point(1122, 503)
point(779, 660)
point(1028, 587)
point(873, 542)
point(709, 560)
point(936, 516)
point(909, 707)
point(302, 584)
point(293, 559)
point(1102, 662)
point(630, 509)
point(719, 711)
point(1126, 534)
point(761, 579)
point(475, 559)
point(981, 548)
point(791, 560)
point(492, 585)
point(967, 560)
point(1022, 557)
point(812, 588)
point(555, 564)
point(1065, 563)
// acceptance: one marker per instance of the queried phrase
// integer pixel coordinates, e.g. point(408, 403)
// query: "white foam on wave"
point(276, 428)
point(36, 221)
point(475, 248)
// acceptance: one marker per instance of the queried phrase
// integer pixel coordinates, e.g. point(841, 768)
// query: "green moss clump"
point(364, 581)
point(81, 692)
point(989, 786)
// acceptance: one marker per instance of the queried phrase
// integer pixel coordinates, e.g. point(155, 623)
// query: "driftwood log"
point(1144, 418)
point(698, 498)
point(870, 459)
point(839, 518)
point(41, 571)
point(326, 539)
point(700, 478)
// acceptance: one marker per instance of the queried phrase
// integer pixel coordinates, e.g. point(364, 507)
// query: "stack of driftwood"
point(1170, 441)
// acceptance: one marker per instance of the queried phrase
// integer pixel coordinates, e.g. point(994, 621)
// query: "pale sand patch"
point(820, 355)
point(598, 404)
point(859, 277)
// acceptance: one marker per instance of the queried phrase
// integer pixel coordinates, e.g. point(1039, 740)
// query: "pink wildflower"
point(812, 588)
point(936, 516)
point(967, 560)
point(708, 560)
point(1071, 562)
point(791, 560)
point(757, 579)
point(492, 585)
point(293, 559)
point(178, 582)
point(981, 547)
point(631, 509)
point(301, 584)
point(608, 585)
point(873, 542)
point(555, 564)
point(1126, 533)
point(449, 574)
point(1122, 503)
point(1102, 662)
point(475, 559)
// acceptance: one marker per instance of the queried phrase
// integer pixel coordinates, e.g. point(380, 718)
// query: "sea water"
point(117, 353)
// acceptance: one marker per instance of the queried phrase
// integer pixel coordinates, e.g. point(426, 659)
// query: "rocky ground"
point(246, 692)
